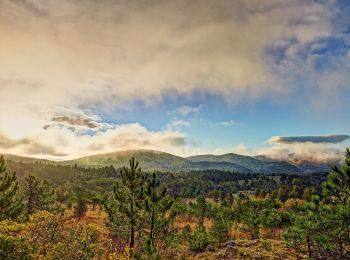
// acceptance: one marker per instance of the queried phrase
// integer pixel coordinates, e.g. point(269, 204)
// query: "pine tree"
point(123, 209)
point(11, 204)
point(220, 227)
point(337, 187)
point(201, 211)
point(39, 195)
point(80, 208)
point(156, 204)
point(95, 201)
point(337, 218)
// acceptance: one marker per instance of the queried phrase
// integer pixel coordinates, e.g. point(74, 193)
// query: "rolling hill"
point(250, 163)
point(151, 160)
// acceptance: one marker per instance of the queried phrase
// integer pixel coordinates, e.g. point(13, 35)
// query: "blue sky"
point(184, 77)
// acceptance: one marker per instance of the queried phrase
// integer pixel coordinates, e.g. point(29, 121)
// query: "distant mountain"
point(222, 166)
point(253, 164)
point(25, 159)
point(309, 167)
point(151, 160)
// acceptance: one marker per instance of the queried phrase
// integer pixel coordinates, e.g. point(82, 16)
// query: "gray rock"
point(230, 243)
point(251, 243)
point(210, 248)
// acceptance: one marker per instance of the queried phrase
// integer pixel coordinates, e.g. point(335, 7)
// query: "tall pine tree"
point(156, 205)
point(123, 209)
point(11, 204)
point(39, 195)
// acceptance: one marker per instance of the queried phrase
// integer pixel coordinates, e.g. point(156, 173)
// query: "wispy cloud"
point(332, 139)
point(176, 124)
point(76, 121)
point(187, 110)
point(231, 123)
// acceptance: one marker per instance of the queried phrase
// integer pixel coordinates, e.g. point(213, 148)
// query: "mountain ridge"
point(154, 160)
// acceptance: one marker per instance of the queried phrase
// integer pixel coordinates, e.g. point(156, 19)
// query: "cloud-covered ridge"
point(76, 121)
point(330, 139)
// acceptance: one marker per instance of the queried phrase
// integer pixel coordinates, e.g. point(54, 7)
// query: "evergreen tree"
point(39, 195)
point(337, 187)
point(128, 193)
point(201, 206)
point(11, 204)
point(272, 219)
point(336, 216)
point(305, 227)
point(198, 239)
point(156, 205)
point(250, 217)
point(95, 201)
point(230, 198)
point(80, 208)
point(220, 227)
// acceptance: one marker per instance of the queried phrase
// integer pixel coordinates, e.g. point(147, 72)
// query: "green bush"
point(12, 248)
point(198, 240)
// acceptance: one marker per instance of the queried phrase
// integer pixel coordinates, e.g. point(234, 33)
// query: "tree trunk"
point(132, 237)
point(29, 204)
point(309, 246)
point(132, 227)
point(151, 235)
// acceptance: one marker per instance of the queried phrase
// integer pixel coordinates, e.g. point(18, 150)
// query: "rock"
point(251, 243)
point(280, 255)
point(210, 248)
point(230, 243)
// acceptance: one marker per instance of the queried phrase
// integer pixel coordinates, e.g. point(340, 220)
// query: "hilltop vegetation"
point(183, 184)
point(164, 162)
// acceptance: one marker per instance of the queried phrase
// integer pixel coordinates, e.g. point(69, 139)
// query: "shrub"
point(198, 240)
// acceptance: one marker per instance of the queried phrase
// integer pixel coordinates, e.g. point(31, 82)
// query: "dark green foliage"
point(220, 228)
point(186, 231)
point(95, 201)
point(324, 226)
point(39, 195)
point(337, 187)
point(201, 208)
point(306, 224)
point(273, 220)
point(123, 209)
point(198, 240)
point(156, 204)
point(249, 213)
point(11, 204)
point(13, 248)
point(80, 208)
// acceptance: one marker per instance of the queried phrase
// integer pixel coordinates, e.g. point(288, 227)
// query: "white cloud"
point(176, 124)
point(186, 110)
point(319, 149)
point(70, 53)
point(243, 150)
point(64, 142)
point(231, 123)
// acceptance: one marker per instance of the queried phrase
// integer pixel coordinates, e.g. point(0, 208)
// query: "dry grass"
point(278, 249)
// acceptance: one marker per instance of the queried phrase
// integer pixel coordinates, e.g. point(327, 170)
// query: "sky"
point(254, 77)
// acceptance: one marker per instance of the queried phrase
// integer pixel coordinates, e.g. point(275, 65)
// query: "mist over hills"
point(151, 160)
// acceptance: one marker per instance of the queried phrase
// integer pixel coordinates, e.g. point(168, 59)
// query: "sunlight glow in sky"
point(184, 77)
